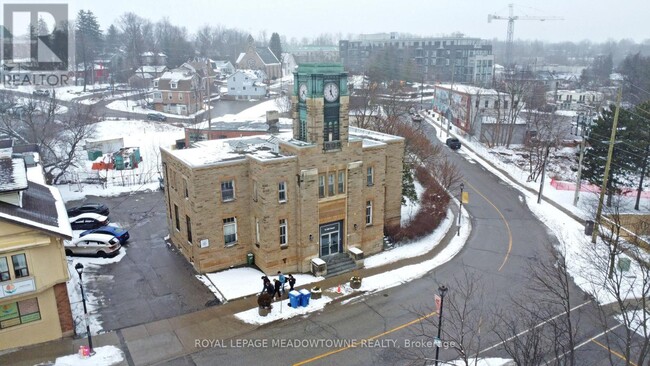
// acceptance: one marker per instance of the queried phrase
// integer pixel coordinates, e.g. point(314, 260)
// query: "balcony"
point(331, 145)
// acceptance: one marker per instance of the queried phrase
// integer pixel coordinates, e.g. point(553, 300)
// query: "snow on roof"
point(373, 135)
point(13, 174)
point(240, 57)
point(177, 75)
point(147, 54)
point(487, 120)
point(468, 89)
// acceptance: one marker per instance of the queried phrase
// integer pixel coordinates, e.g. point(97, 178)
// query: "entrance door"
point(330, 239)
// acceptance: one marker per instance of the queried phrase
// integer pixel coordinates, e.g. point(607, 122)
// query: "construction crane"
point(511, 28)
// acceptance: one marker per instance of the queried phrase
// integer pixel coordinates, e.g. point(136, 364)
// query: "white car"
point(87, 221)
point(102, 245)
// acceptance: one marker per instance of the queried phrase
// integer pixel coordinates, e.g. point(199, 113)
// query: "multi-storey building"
point(179, 91)
point(34, 304)
point(316, 191)
point(441, 59)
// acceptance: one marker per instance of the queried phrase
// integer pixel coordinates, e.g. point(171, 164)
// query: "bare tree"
point(548, 135)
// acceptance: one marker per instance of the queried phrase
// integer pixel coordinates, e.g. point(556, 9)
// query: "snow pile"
point(282, 310)
point(104, 356)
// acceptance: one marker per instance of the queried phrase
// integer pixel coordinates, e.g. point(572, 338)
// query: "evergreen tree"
point(408, 187)
point(112, 40)
point(88, 39)
point(276, 46)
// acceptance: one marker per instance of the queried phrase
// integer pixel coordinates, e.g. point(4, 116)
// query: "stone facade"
point(292, 198)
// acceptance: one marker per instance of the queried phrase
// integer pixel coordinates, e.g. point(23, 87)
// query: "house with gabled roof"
point(178, 91)
point(34, 302)
point(259, 58)
point(246, 84)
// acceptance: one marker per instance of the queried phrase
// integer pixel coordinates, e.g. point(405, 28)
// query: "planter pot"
point(264, 311)
point(355, 284)
point(315, 295)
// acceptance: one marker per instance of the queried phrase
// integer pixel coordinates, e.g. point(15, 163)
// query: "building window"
point(188, 223)
point(155, 83)
point(21, 312)
point(341, 182)
point(228, 191)
point(4, 270)
point(178, 221)
point(157, 95)
point(282, 191)
point(505, 104)
point(185, 189)
point(257, 230)
point(321, 186)
point(230, 231)
point(254, 191)
point(330, 184)
point(486, 104)
point(368, 212)
point(180, 96)
point(173, 85)
point(283, 232)
point(20, 265)
point(170, 96)
point(370, 176)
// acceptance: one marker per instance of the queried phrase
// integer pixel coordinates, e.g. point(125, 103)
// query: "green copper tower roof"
point(320, 68)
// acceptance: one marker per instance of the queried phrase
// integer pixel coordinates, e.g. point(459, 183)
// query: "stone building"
point(322, 190)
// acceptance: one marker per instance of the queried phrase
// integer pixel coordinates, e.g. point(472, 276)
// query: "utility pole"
point(207, 75)
point(582, 155)
point(610, 152)
point(541, 183)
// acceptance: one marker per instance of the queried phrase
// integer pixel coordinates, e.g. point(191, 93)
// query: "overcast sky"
point(595, 20)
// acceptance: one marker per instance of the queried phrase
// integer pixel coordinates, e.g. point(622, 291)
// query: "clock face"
point(331, 92)
point(302, 91)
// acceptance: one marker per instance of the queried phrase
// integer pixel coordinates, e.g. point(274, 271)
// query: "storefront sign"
point(17, 287)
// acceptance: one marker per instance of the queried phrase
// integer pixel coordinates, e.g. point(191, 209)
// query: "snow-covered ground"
point(104, 356)
point(135, 106)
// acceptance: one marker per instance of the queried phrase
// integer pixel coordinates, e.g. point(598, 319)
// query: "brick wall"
point(63, 308)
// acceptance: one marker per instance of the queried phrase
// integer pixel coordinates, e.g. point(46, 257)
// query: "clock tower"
point(321, 105)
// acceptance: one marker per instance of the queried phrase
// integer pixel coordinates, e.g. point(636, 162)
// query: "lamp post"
point(460, 208)
point(80, 269)
point(442, 290)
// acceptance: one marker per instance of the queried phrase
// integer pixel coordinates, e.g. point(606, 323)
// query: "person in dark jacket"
point(292, 282)
point(270, 289)
point(277, 292)
point(265, 281)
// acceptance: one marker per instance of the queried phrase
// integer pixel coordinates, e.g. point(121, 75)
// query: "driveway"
point(153, 281)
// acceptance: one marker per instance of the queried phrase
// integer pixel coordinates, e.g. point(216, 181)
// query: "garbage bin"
point(294, 299)
point(250, 259)
point(589, 227)
point(305, 296)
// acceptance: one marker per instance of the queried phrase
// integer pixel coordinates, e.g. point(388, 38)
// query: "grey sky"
point(596, 20)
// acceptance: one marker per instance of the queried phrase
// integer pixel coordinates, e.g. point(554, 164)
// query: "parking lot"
point(152, 281)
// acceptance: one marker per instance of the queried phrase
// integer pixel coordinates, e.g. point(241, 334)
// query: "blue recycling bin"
point(305, 295)
point(294, 299)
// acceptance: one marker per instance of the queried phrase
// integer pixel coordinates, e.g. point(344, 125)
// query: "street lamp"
point(80, 269)
point(460, 209)
point(442, 290)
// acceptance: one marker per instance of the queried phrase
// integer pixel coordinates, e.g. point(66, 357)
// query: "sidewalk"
point(163, 340)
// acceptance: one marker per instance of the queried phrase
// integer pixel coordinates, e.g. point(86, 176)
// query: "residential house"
point(289, 64)
point(222, 68)
point(178, 91)
point(575, 99)
point(145, 75)
point(295, 200)
point(153, 58)
point(259, 58)
point(246, 84)
point(34, 303)
point(207, 75)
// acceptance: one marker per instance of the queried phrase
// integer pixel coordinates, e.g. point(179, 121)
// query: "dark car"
point(156, 117)
point(453, 143)
point(417, 118)
point(41, 93)
point(121, 234)
point(90, 207)
point(87, 221)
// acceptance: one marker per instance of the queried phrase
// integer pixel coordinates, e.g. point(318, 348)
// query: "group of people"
point(277, 288)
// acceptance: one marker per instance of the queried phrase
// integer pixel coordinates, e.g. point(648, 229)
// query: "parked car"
point(90, 207)
point(417, 118)
point(41, 93)
point(87, 221)
point(101, 245)
point(156, 117)
point(121, 234)
point(453, 143)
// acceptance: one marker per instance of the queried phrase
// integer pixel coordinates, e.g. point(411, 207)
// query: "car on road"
point(453, 143)
point(121, 234)
point(90, 207)
point(417, 118)
point(41, 93)
point(87, 221)
point(156, 117)
point(101, 245)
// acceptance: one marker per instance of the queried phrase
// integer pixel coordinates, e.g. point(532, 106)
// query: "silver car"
point(102, 245)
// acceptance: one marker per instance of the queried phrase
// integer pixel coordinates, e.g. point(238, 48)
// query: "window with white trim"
point(321, 186)
point(282, 191)
point(230, 231)
point(330, 184)
point(228, 190)
point(370, 178)
point(155, 83)
point(283, 232)
point(368, 212)
point(341, 181)
point(180, 96)
point(173, 85)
